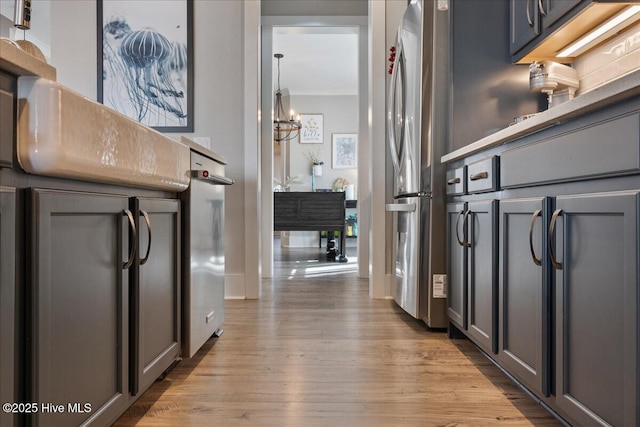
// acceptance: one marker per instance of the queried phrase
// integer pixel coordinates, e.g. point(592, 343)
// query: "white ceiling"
point(317, 60)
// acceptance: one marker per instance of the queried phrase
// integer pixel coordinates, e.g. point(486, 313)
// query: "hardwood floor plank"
point(317, 351)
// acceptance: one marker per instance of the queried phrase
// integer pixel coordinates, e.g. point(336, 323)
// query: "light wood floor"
point(315, 350)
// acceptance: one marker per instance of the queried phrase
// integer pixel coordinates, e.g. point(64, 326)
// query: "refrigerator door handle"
point(427, 194)
point(394, 141)
point(401, 207)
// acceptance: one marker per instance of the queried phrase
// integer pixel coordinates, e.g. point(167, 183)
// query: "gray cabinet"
point(533, 20)
point(482, 274)
point(553, 10)
point(78, 306)
point(456, 265)
point(525, 23)
point(595, 259)
point(155, 290)
point(524, 292)
point(7, 119)
point(567, 237)
point(7, 301)
point(472, 270)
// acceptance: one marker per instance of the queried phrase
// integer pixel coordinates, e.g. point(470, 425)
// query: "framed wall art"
point(312, 129)
point(145, 61)
point(345, 150)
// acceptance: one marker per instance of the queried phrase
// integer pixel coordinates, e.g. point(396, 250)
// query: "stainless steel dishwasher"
point(203, 252)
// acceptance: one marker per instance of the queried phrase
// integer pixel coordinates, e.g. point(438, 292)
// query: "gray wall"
point(315, 8)
point(340, 116)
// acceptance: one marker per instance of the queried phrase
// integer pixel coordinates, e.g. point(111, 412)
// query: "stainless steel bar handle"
point(529, 14)
point(454, 181)
point(542, 11)
point(552, 227)
point(401, 207)
point(145, 215)
point(392, 113)
point(460, 242)
point(536, 260)
point(209, 177)
point(466, 242)
point(134, 241)
point(479, 175)
point(403, 87)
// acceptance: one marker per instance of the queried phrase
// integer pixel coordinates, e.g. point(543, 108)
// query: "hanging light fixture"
point(285, 126)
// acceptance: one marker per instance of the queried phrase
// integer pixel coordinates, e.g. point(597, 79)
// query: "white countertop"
point(618, 90)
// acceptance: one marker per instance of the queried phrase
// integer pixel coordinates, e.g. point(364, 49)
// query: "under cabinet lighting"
point(609, 28)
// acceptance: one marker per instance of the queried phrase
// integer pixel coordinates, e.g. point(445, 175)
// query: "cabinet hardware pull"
point(465, 242)
point(479, 175)
point(134, 240)
point(529, 14)
point(552, 227)
point(460, 242)
point(144, 260)
point(542, 11)
point(454, 181)
point(536, 260)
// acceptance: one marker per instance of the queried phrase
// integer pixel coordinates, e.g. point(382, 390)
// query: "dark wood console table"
point(310, 211)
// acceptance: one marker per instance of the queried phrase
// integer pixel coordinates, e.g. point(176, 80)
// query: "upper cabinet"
point(552, 10)
point(531, 19)
point(541, 29)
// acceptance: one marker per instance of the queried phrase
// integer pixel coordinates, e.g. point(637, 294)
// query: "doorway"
point(319, 77)
point(320, 71)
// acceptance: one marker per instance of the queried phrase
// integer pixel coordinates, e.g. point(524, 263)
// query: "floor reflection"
point(312, 261)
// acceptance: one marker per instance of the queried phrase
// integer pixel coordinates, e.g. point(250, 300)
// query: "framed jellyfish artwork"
point(145, 61)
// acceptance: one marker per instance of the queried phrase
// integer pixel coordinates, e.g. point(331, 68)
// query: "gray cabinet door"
point(553, 10)
point(597, 286)
point(7, 301)
point(525, 23)
point(79, 306)
point(456, 265)
point(7, 119)
point(523, 292)
point(156, 295)
point(482, 274)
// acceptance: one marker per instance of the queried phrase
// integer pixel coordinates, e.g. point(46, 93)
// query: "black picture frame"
point(145, 61)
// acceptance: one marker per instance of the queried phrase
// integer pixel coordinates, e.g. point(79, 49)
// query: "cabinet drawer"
point(456, 181)
point(483, 175)
point(606, 148)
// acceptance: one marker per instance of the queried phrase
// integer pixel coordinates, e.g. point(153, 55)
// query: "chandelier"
point(284, 126)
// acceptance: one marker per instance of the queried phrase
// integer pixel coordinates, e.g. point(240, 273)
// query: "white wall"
point(224, 68)
point(39, 34)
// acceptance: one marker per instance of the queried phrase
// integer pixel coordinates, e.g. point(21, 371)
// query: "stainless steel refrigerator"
point(417, 108)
